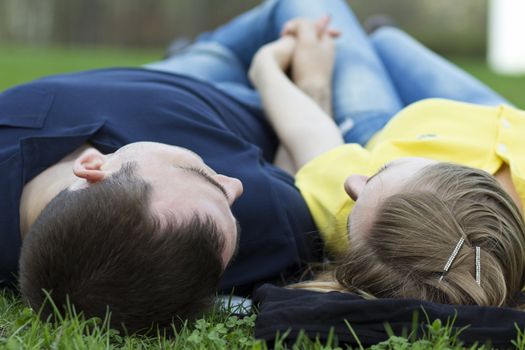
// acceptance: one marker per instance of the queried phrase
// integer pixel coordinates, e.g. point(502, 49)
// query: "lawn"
point(20, 328)
point(19, 325)
point(20, 64)
point(510, 87)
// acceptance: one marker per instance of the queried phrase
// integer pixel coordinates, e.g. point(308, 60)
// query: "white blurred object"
point(235, 304)
point(506, 36)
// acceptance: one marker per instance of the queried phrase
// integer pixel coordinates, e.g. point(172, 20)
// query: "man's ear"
point(88, 166)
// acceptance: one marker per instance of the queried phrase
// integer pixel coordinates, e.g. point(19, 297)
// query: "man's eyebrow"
point(203, 175)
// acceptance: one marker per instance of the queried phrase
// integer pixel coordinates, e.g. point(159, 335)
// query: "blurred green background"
point(42, 37)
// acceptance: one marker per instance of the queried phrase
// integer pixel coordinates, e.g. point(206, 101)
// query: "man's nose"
point(232, 185)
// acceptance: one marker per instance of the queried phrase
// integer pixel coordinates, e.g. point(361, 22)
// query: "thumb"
point(283, 50)
point(290, 28)
point(285, 44)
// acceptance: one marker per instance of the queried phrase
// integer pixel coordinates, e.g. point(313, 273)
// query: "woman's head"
point(408, 222)
point(371, 191)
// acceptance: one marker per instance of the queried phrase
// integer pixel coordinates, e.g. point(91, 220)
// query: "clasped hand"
point(305, 47)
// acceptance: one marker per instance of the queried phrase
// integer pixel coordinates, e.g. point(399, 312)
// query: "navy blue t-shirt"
point(43, 121)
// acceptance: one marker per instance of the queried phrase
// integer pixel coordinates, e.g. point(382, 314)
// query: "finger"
point(283, 50)
point(329, 36)
point(334, 33)
point(327, 41)
point(307, 31)
point(290, 28)
point(322, 27)
point(285, 44)
point(322, 24)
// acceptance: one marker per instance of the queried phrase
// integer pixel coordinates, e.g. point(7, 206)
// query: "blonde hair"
point(415, 231)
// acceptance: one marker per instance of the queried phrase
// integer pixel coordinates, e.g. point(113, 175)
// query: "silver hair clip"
point(478, 266)
point(452, 257)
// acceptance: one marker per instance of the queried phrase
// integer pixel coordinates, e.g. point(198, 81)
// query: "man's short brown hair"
point(102, 248)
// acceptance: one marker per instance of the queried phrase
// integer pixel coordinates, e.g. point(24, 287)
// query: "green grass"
point(510, 87)
point(20, 328)
point(19, 325)
point(21, 64)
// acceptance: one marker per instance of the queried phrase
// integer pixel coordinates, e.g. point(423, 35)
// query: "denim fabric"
point(223, 57)
point(212, 62)
point(374, 78)
point(418, 73)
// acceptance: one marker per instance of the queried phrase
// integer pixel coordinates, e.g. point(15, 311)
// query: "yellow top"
point(472, 135)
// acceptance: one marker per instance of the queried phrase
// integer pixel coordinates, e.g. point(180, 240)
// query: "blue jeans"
point(418, 73)
point(223, 57)
point(374, 78)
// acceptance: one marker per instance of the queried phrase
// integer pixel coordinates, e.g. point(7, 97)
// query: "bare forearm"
point(320, 92)
point(302, 126)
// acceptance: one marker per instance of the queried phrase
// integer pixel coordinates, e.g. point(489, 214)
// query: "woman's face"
point(369, 192)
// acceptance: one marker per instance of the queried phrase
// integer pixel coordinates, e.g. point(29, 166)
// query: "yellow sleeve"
point(321, 182)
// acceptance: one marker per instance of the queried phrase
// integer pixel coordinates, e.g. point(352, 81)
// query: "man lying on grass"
point(145, 229)
point(124, 185)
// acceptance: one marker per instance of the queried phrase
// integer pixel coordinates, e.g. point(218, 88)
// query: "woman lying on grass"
point(431, 206)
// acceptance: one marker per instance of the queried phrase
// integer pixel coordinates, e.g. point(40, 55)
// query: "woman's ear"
point(88, 166)
point(354, 184)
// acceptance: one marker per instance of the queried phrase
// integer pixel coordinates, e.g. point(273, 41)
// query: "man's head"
point(181, 183)
point(408, 219)
point(145, 232)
